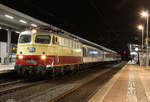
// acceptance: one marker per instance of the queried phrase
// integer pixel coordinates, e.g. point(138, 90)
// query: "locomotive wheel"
point(62, 70)
point(27, 73)
point(40, 70)
point(54, 73)
point(72, 68)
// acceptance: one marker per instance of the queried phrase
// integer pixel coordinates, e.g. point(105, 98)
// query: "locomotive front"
point(32, 50)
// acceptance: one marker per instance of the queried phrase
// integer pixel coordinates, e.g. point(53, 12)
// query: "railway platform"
point(6, 68)
point(131, 84)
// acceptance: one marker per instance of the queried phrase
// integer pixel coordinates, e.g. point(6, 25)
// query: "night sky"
point(110, 23)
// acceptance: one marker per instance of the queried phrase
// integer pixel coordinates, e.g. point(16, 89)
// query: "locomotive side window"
point(53, 40)
point(62, 42)
point(56, 41)
point(43, 39)
point(74, 44)
point(66, 43)
point(25, 39)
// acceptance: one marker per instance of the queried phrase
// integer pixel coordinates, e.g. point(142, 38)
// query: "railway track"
point(7, 87)
point(70, 89)
point(10, 83)
point(17, 85)
point(84, 92)
point(58, 91)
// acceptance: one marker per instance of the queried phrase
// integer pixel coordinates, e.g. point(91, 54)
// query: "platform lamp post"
point(140, 27)
point(145, 14)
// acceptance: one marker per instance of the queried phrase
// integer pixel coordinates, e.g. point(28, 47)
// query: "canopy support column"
point(8, 46)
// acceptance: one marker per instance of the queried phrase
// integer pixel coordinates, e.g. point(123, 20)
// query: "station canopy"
point(17, 21)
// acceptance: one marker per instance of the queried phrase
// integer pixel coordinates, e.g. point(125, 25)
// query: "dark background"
point(110, 23)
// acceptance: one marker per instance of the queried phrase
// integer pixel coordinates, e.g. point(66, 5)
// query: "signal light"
point(124, 52)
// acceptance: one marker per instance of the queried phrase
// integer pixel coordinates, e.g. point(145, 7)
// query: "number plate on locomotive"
point(31, 61)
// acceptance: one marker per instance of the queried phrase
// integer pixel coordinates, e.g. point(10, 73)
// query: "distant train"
point(39, 52)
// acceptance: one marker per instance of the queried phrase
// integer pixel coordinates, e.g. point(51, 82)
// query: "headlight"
point(43, 57)
point(34, 31)
point(20, 56)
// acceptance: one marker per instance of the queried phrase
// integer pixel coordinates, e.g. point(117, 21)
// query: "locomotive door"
point(55, 49)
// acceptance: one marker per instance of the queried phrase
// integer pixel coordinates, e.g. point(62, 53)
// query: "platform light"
point(140, 27)
point(136, 49)
point(34, 25)
point(133, 53)
point(0, 27)
point(144, 14)
point(8, 16)
point(23, 21)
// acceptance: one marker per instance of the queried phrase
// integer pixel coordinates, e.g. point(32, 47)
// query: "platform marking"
point(131, 91)
point(145, 77)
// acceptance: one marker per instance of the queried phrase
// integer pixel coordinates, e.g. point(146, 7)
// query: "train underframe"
point(28, 71)
point(39, 70)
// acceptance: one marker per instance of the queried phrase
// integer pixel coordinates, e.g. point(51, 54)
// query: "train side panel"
point(92, 55)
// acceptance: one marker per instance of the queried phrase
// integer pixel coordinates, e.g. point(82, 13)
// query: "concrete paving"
point(131, 84)
point(6, 68)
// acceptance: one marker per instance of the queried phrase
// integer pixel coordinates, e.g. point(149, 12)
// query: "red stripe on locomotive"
point(50, 60)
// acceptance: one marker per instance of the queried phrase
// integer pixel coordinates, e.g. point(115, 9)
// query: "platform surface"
point(6, 68)
point(130, 84)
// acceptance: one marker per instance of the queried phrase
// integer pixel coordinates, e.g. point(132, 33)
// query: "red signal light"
point(124, 52)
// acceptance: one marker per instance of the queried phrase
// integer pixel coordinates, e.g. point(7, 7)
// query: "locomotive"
point(40, 51)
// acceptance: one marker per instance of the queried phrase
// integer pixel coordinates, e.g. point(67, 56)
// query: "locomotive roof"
point(47, 32)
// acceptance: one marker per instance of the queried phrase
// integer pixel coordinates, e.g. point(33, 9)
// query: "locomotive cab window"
point(57, 42)
point(43, 39)
point(25, 39)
